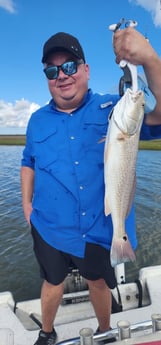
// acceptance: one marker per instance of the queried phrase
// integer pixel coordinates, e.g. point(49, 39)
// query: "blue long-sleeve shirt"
point(65, 153)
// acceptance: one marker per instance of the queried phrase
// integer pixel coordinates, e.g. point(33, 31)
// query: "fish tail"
point(121, 251)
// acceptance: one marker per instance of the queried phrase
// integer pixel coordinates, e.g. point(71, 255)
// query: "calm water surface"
point(19, 272)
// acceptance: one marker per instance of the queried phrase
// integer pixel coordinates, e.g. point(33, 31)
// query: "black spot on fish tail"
point(121, 251)
point(125, 238)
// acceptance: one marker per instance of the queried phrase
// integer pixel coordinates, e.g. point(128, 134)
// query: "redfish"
point(120, 156)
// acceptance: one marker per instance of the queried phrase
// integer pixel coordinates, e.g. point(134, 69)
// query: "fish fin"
point(107, 208)
point(121, 136)
point(106, 204)
point(102, 140)
point(121, 251)
point(106, 154)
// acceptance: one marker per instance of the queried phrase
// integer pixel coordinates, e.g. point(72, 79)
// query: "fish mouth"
point(136, 95)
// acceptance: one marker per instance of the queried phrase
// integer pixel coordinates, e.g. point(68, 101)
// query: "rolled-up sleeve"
point(28, 158)
point(150, 132)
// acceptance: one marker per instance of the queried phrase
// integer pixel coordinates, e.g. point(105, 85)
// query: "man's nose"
point(61, 74)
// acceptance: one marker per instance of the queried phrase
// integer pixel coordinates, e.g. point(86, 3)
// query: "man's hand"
point(132, 46)
point(27, 208)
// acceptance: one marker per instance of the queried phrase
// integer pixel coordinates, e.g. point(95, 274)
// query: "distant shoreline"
point(12, 139)
point(20, 139)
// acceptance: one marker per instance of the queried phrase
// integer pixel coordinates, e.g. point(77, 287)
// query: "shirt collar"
point(85, 99)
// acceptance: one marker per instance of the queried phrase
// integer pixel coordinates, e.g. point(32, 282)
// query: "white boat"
point(138, 322)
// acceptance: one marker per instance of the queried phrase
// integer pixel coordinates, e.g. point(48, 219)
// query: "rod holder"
point(86, 336)
point(124, 331)
point(156, 322)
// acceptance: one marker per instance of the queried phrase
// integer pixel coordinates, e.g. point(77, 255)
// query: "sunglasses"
point(68, 68)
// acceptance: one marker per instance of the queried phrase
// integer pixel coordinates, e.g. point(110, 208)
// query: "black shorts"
point(54, 264)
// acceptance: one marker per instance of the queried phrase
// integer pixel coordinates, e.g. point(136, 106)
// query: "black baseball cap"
point(62, 41)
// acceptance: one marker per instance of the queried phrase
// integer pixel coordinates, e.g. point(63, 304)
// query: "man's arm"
point(152, 70)
point(27, 182)
point(130, 45)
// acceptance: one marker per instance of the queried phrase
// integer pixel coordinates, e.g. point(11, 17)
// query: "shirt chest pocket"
point(45, 148)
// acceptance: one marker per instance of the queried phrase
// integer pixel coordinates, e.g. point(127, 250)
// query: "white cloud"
point(16, 114)
point(8, 5)
point(152, 6)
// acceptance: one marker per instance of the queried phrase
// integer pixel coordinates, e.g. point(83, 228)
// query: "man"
point(62, 173)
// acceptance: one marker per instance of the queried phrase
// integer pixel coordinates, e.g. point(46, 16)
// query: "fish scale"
point(120, 155)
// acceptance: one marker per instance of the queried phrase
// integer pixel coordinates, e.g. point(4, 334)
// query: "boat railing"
point(120, 333)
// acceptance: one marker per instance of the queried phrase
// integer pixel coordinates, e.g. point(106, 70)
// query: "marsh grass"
point(12, 139)
point(20, 140)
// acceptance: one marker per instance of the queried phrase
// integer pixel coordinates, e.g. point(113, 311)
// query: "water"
point(148, 211)
point(19, 272)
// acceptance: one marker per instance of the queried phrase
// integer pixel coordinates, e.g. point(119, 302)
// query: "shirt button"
point(76, 162)
point(80, 187)
point(84, 235)
point(83, 213)
point(72, 137)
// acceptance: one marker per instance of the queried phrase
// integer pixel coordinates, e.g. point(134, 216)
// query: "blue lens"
point(68, 68)
point(51, 72)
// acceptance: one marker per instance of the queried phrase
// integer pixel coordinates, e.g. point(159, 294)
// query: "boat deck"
point(71, 318)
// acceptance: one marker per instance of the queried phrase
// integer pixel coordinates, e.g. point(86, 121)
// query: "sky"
point(25, 25)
